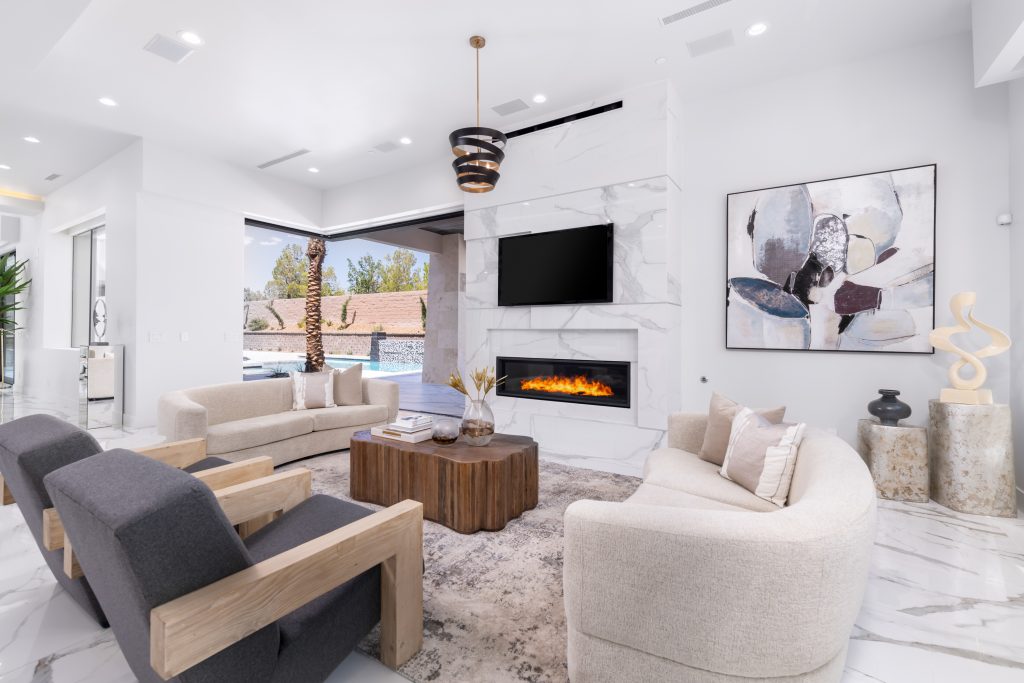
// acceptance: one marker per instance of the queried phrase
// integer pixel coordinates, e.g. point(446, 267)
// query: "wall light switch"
point(183, 336)
point(156, 338)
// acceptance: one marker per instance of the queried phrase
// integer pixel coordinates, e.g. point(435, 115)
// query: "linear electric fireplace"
point(603, 383)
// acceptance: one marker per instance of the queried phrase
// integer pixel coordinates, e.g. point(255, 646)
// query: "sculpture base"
point(971, 458)
point(897, 458)
point(970, 397)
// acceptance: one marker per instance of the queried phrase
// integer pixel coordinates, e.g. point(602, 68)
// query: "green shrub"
point(345, 322)
point(258, 325)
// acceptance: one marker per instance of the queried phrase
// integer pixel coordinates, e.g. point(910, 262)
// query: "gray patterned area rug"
point(492, 600)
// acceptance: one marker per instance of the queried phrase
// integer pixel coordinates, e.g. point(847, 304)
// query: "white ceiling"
point(340, 77)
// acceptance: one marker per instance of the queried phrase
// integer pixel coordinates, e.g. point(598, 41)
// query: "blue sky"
point(262, 247)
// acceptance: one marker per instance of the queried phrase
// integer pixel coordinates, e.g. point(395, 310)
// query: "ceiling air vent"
point(696, 9)
point(713, 43)
point(510, 107)
point(52, 176)
point(385, 147)
point(168, 48)
point(281, 160)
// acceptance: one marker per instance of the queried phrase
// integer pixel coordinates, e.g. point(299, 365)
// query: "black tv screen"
point(562, 267)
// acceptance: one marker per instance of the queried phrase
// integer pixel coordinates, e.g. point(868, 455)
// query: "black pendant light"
point(478, 151)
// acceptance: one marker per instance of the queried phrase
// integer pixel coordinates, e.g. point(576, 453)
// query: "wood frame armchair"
point(223, 479)
point(192, 628)
point(226, 609)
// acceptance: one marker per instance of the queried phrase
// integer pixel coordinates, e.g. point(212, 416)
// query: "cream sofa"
point(247, 419)
point(695, 579)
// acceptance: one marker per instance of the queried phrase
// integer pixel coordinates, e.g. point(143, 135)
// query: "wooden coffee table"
point(466, 488)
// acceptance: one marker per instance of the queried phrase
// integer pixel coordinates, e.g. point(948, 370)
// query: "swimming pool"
point(276, 368)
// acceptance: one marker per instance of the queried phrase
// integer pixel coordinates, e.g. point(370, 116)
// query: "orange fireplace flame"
point(579, 385)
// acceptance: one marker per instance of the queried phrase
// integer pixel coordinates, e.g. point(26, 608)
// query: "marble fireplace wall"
point(641, 326)
point(620, 167)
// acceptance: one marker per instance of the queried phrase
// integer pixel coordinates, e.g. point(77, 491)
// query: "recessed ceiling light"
point(314, 169)
point(757, 29)
point(190, 37)
point(108, 102)
point(405, 141)
point(540, 98)
point(661, 60)
point(29, 138)
point(4, 167)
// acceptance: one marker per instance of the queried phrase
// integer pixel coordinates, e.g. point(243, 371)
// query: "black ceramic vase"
point(889, 410)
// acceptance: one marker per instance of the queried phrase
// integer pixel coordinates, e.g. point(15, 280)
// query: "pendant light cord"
point(477, 87)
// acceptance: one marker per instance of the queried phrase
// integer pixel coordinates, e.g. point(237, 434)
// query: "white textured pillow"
point(761, 455)
point(348, 386)
point(312, 390)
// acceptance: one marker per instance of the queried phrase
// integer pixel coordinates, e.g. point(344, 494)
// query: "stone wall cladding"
point(401, 350)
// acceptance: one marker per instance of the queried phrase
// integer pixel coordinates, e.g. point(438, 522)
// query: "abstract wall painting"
point(836, 265)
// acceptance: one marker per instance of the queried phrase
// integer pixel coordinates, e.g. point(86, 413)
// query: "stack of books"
point(410, 429)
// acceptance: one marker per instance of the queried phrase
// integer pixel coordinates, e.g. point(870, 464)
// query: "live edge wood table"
point(466, 488)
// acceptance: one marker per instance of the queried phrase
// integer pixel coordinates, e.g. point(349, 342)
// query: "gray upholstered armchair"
point(33, 446)
point(189, 600)
point(30, 448)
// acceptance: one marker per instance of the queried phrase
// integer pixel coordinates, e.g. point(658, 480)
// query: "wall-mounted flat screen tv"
point(561, 267)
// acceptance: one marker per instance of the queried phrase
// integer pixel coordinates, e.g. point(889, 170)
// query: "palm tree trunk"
point(315, 252)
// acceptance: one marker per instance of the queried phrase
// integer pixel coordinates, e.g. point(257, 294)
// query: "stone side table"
point(971, 456)
point(897, 458)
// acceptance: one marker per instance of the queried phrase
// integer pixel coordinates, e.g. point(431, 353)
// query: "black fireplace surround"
point(604, 383)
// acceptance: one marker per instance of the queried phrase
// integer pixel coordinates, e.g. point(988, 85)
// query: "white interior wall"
point(108, 192)
point(1017, 258)
point(913, 107)
point(190, 234)
point(419, 190)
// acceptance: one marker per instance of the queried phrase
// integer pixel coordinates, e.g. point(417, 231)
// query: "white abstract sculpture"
point(967, 391)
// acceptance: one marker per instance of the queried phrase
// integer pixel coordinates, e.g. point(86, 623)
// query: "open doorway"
point(390, 301)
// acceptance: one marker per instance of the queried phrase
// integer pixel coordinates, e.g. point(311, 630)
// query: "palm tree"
point(315, 252)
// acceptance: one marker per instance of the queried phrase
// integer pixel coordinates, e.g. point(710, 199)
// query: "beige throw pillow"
point(761, 455)
point(721, 412)
point(312, 390)
point(348, 386)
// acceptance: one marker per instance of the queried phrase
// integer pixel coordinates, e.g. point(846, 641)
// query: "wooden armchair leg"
point(6, 498)
point(71, 566)
point(401, 599)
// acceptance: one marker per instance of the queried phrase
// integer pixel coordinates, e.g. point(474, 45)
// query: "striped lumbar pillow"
point(761, 455)
point(312, 390)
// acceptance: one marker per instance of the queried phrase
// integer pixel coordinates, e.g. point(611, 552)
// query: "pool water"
point(269, 369)
point(375, 365)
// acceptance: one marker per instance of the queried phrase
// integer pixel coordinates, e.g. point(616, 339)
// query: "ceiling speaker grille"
point(168, 48)
point(510, 107)
point(712, 43)
point(281, 160)
point(696, 9)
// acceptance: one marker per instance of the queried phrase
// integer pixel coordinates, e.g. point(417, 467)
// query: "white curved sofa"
point(693, 578)
point(247, 419)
